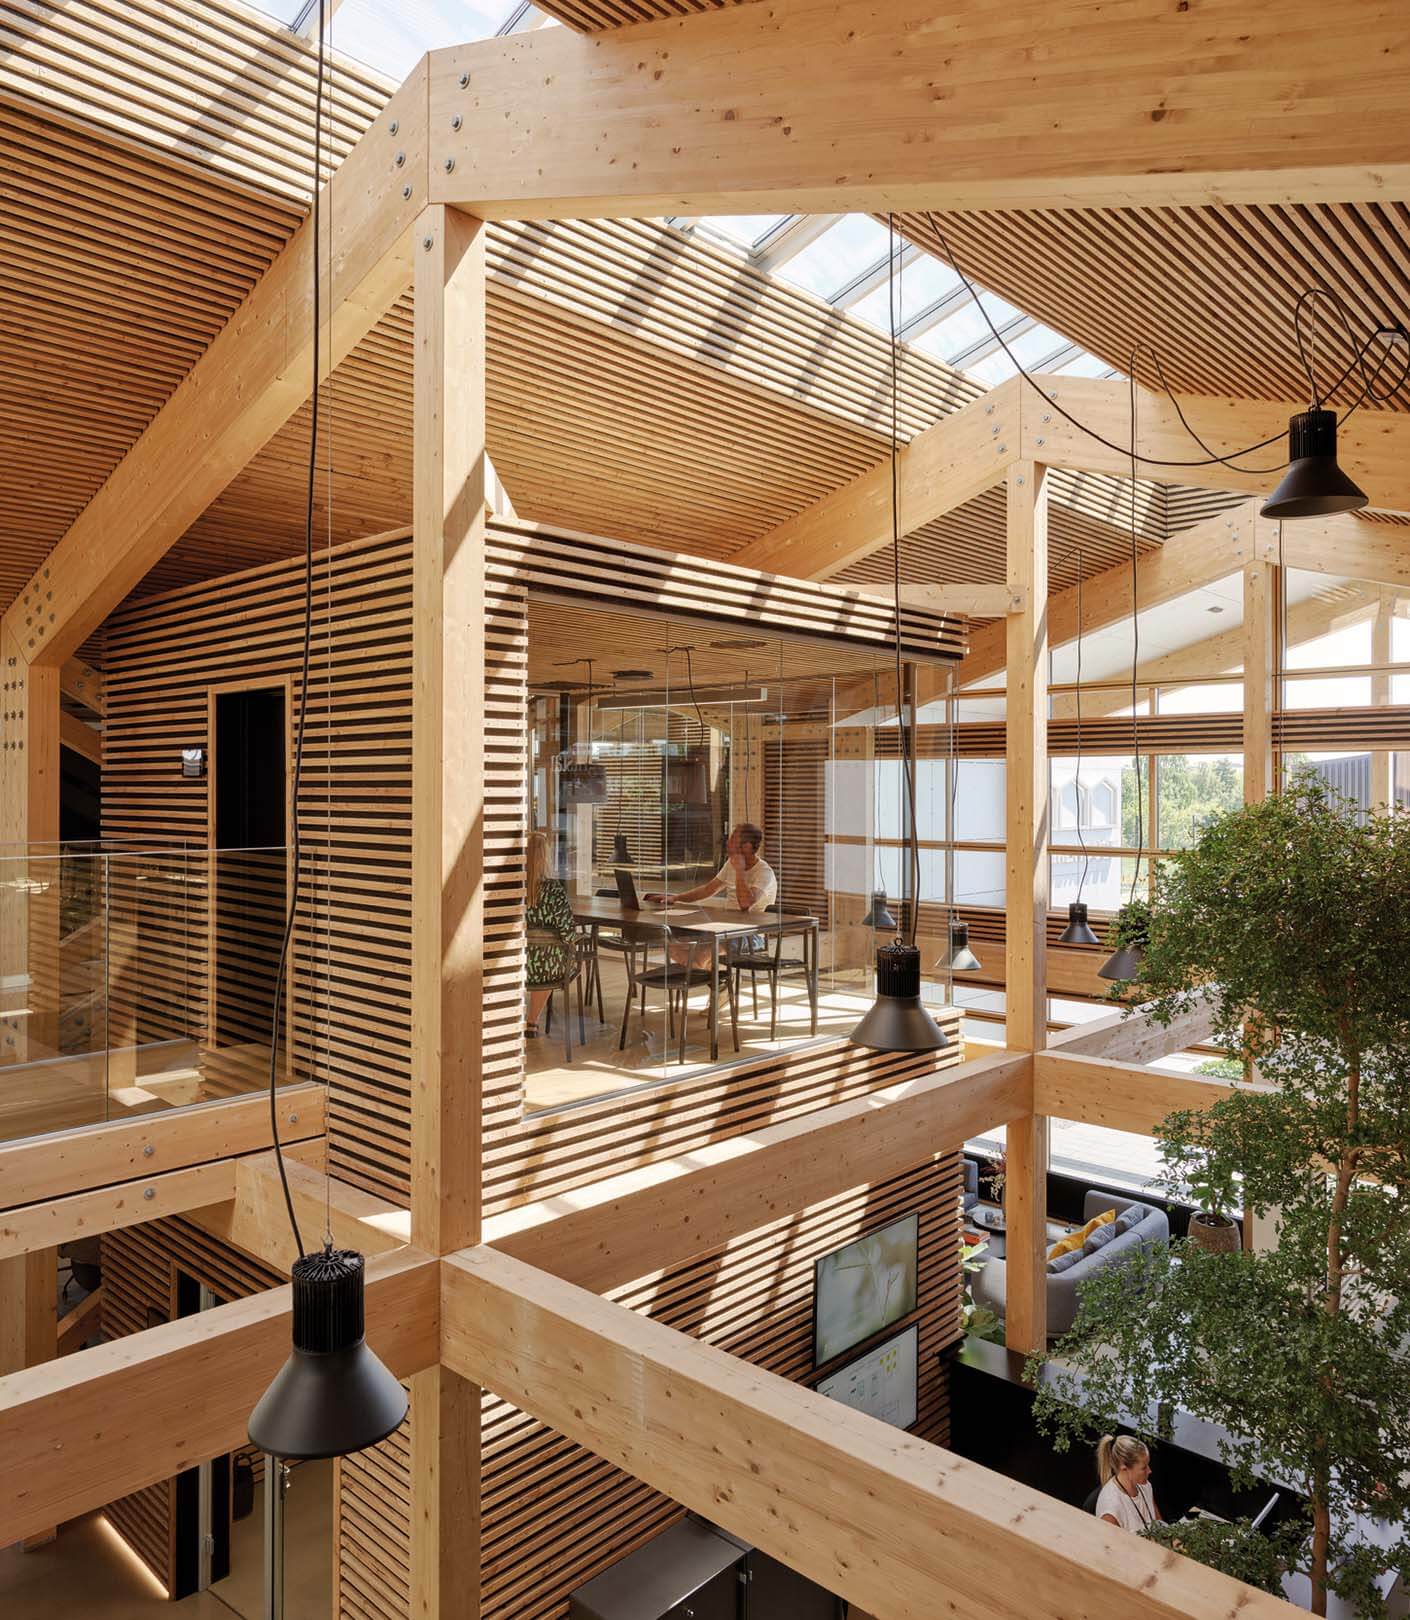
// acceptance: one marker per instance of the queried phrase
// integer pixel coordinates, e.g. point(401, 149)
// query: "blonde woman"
point(1126, 1498)
point(545, 907)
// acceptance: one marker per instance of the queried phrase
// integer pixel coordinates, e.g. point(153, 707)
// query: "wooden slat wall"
point(139, 1274)
point(795, 817)
point(554, 1515)
point(351, 1017)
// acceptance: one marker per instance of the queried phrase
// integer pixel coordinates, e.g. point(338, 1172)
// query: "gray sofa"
point(989, 1285)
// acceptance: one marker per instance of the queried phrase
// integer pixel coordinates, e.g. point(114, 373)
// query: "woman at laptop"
point(746, 882)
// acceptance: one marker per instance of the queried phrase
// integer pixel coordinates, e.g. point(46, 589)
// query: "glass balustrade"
point(135, 979)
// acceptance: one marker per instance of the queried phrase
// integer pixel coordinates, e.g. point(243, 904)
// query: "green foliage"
point(1291, 919)
point(978, 1320)
point(1236, 1549)
point(1221, 1069)
point(1130, 926)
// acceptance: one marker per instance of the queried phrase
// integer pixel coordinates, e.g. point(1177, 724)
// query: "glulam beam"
point(645, 1220)
point(253, 377)
point(838, 105)
point(888, 1521)
point(107, 1421)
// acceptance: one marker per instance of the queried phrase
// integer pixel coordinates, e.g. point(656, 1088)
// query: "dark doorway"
point(249, 884)
point(202, 1497)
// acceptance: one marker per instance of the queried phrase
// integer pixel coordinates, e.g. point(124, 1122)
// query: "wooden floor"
point(599, 1067)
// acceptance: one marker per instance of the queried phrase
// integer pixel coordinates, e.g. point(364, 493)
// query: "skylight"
point(393, 35)
point(842, 259)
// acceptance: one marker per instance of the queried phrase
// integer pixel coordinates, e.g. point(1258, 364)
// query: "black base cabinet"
point(696, 1571)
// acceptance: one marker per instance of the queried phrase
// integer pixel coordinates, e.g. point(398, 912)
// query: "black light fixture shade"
point(333, 1396)
point(1314, 485)
point(959, 958)
point(620, 852)
point(1123, 963)
point(896, 1021)
point(1078, 930)
point(878, 914)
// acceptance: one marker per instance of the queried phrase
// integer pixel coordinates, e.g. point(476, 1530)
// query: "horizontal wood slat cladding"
point(350, 1017)
point(553, 1514)
point(1210, 290)
point(592, 16)
point(795, 822)
point(588, 568)
point(139, 1276)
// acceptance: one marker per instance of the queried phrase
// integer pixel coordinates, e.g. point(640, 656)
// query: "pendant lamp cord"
point(1077, 781)
point(1394, 332)
point(907, 765)
point(292, 908)
point(1135, 639)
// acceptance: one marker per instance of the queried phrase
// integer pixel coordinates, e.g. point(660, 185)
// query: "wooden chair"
point(774, 964)
point(677, 979)
point(548, 939)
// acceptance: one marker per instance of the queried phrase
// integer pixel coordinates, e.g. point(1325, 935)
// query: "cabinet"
point(695, 1571)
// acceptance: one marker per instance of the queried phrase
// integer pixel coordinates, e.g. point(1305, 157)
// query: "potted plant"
point(1290, 921)
point(1209, 1183)
point(979, 1321)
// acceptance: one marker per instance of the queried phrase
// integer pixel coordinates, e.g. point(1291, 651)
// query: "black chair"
point(1089, 1502)
point(774, 964)
point(591, 945)
point(549, 939)
point(677, 979)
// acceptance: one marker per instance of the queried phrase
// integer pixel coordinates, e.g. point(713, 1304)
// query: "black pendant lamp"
point(1123, 963)
point(621, 854)
point(333, 1395)
point(959, 958)
point(1078, 930)
point(878, 913)
point(1314, 485)
point(897, 1021)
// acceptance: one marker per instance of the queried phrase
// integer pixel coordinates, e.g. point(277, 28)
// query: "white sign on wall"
point(882, 1383)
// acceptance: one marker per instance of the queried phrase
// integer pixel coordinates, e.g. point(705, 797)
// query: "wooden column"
point(29, 1325)
point(448, 871)
point(1025, 1017)
point(1260, 677)
point(1382, 646)
point(29, 832)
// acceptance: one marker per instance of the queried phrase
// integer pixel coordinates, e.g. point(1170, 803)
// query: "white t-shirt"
point(759, 879)
point(1130, 1512)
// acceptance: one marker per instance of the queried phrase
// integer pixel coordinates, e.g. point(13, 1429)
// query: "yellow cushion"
point(1075, 1240)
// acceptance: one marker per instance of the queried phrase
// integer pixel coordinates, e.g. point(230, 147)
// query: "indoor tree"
point(1291, 920)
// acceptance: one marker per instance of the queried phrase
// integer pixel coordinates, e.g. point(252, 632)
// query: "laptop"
point(632, 901)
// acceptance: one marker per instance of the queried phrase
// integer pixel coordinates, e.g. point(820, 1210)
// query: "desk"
point(707, 925)
point(992, 1422)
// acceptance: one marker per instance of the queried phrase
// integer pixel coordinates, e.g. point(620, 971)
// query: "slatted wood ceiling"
point(717, 403)
point(591, 16)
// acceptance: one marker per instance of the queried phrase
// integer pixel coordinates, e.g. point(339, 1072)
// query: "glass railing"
point(135, 979)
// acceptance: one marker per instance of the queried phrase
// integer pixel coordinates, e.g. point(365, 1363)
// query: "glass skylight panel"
point(993, 369)
point(393, 35)
point(839, 256)
point(923, 282)
point(744, 230)
point(1085, 365)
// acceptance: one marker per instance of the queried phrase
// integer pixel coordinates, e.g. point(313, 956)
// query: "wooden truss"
point(902, 106)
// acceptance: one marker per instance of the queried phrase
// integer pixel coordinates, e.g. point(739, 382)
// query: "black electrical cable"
point(291, 910)
point(1077, 780)
point(907, 766)
point(1135, 641)
point(1212, 457)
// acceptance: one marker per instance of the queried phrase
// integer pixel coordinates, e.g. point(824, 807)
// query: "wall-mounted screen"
point(881, 1383)
point(864, 1287)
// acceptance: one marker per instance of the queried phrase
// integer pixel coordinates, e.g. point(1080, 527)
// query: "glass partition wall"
point(133, 980)
point(659, 750)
